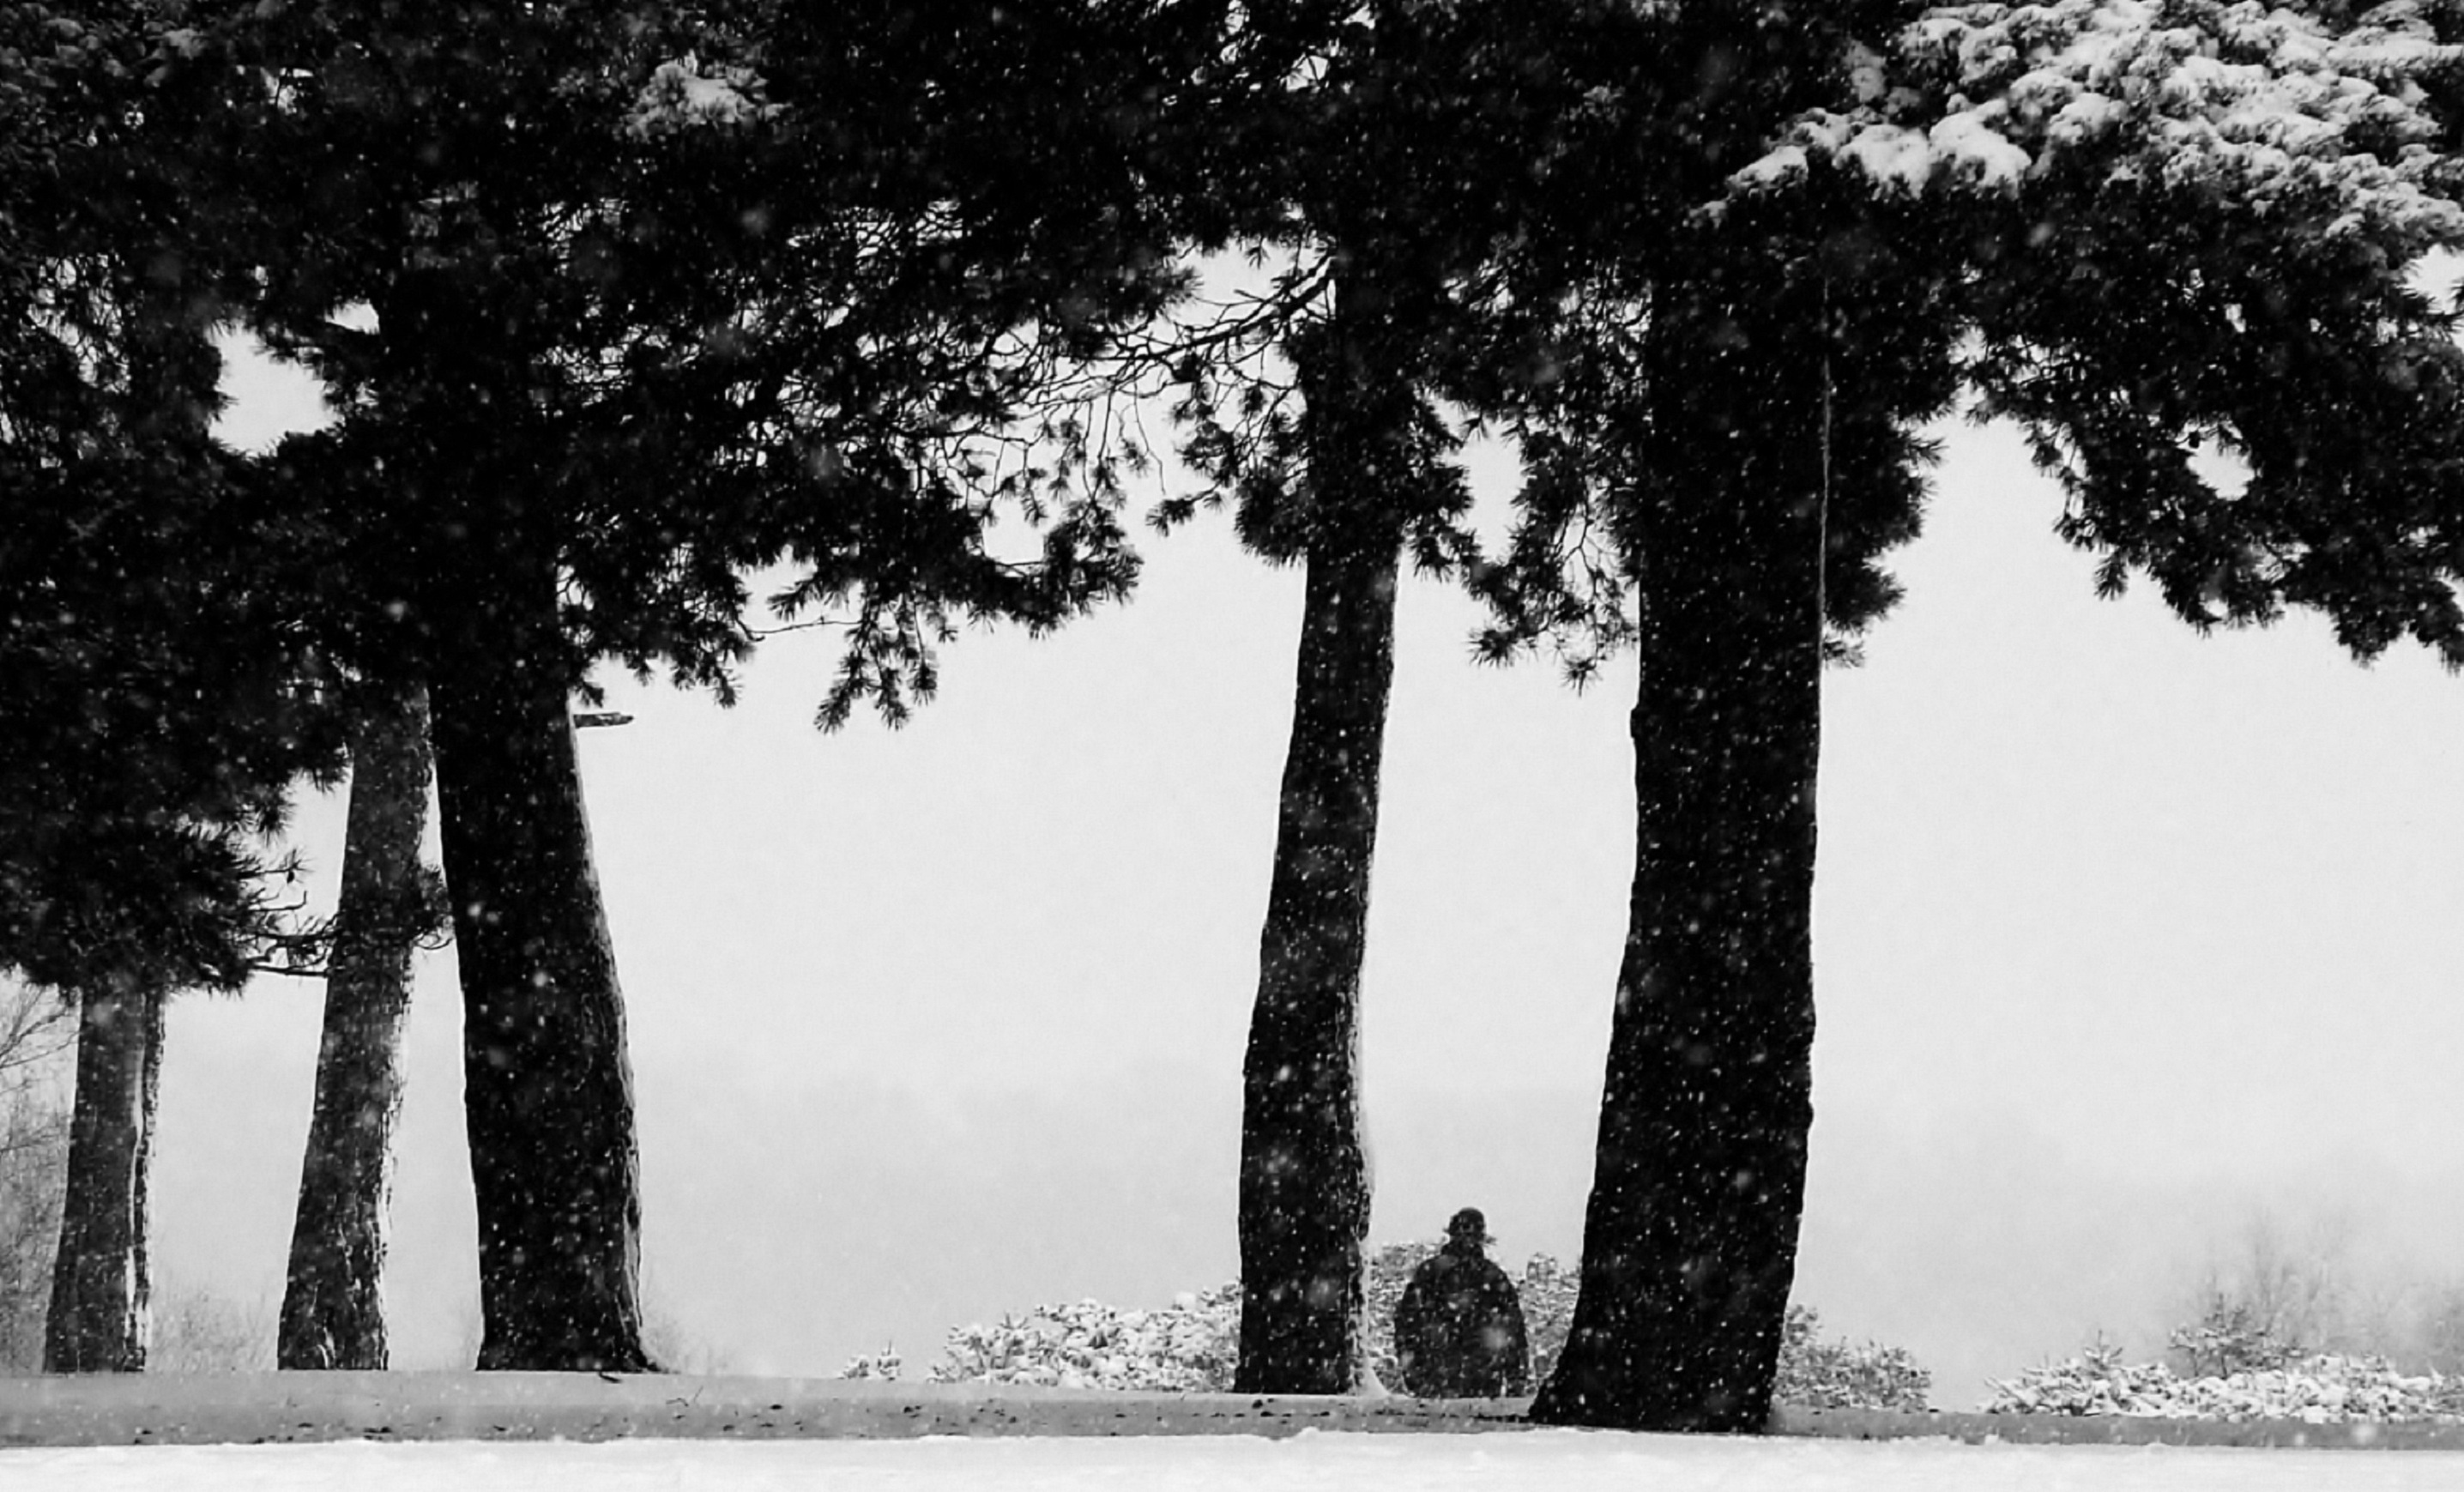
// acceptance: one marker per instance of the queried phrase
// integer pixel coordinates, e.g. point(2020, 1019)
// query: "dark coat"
point(1458, 1330)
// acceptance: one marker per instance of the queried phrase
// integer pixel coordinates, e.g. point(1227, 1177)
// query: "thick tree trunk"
point(333, 1303)
point(547, 1089)
point(100, 1319)
point(1689, 1243)
point(1304, 1170)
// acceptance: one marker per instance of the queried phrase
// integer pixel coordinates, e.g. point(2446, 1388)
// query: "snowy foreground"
point(1560, 1460)
point(483, 1432)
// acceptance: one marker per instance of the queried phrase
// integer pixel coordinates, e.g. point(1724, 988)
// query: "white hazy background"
point(2127, 941)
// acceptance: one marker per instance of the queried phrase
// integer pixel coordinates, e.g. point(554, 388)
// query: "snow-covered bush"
point(2283, 1299)
point(2323, 1389)
point(1187, 1347)
point(2272, 1338)
point(885, 1364)
point(1548, 1289)
point(2233, 1335)
point(1193, 1345)
point(1840, 1374)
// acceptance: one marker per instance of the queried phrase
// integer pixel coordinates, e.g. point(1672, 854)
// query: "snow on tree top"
point(2273, 107)
point(685, 93)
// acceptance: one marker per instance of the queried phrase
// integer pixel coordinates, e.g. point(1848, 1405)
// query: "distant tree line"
point(620, 304)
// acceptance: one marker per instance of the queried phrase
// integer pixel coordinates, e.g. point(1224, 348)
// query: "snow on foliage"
point(1842, 1374)
point(685, 93)
point(2324, 1388)
point(2276, 107)
point(1188, 1347)
point(1192, 1345)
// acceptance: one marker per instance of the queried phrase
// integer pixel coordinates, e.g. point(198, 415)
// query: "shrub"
point(2233, 1336)
point(1188, 1347)
point(2324, 1388)
point(1839, 1375)
point(1193, 1345)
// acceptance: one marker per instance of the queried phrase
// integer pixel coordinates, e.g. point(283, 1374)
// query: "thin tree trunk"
point(547, 1087)
point(101, 1283)
point(1303, 1206)
point(1689, 1240)
point(332, 1303)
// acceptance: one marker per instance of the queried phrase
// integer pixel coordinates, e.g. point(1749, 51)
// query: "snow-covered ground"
point(1559, 1461)
point(472, 1431)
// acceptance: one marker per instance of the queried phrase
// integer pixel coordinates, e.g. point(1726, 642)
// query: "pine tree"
point(1392, 130)
point(617, 304)
point(2157, 229)
point(1753, 495)
point(155, 699)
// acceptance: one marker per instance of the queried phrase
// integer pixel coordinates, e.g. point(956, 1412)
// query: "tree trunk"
point(1689, 1240)
point(100, 1281)
point(547, 1089)
point(333, 1303)
point(1304, 1205)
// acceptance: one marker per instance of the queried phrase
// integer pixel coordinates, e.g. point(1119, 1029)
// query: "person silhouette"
point(1458, 1330)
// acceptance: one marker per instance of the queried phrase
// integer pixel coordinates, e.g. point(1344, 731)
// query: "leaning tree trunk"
point(333, 1303)
point(99, 1320)
point(547, 1087)
point(1689, 1240)
point(1304, 1203)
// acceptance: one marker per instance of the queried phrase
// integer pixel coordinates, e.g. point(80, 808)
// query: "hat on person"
point(1468, 1223)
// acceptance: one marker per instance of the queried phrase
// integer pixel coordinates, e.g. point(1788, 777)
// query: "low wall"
point(125, 1409)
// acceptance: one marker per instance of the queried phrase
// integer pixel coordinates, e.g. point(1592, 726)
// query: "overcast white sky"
point(2123, 937)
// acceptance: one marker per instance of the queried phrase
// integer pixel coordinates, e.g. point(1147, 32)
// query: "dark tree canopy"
point(160, 692)
point(1387, 166)
point(617, 306)
point(621, 306)
point(671, 296)
point(2136, 231)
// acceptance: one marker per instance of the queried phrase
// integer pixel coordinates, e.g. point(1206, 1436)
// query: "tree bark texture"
point(1689, 1240)
point(548, 1086)
point(1304, 1203)
point(101, 1283)
point(333, 1302)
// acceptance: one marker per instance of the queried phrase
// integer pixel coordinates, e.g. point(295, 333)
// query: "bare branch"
point(33, 1027)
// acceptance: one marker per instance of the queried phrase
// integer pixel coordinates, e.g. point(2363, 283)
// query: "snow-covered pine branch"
point(2272, 107)
point(685, 92)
